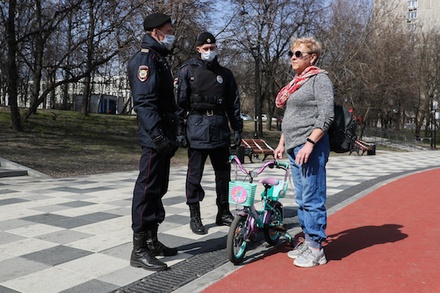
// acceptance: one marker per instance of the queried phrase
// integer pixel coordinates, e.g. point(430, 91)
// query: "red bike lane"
point(386, 241)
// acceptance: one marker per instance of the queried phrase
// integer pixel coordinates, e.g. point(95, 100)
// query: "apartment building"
point(422, 14)
point(413, 14)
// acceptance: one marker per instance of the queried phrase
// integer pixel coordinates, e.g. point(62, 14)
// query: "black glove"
point(164, 146)
point(181, 141)
point(172, 148)
point(237, 138)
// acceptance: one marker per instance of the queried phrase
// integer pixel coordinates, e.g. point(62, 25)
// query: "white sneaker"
point(310, 258)
point(299, 249)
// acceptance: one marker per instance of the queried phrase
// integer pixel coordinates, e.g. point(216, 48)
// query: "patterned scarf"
point(295, 84)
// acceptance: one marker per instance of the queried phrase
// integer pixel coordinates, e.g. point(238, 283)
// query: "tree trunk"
point(65, 87)
point(38, 55)
point(87, 86)
point(86, 96)
point(12, 68)
point(52, 96)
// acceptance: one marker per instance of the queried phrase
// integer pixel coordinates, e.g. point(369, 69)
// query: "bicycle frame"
point(250, 220)
point(258, 218)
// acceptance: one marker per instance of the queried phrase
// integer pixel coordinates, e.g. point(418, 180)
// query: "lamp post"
point(435, 116)
point(257, 114)
point(434, 106)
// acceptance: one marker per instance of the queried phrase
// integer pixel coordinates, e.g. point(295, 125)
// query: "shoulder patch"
point(143, 73)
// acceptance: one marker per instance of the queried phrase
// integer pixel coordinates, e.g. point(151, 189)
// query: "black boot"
point(142, 257)
point(157, 247)
point(224, 216)
point(195, 223)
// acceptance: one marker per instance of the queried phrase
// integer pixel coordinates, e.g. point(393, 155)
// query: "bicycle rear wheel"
point(275, 219)
point(236, 242)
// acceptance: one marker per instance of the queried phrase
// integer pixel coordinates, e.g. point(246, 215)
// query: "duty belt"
point(199, 99)
point(207, 112)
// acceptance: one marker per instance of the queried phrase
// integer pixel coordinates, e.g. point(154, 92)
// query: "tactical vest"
point(207, 90)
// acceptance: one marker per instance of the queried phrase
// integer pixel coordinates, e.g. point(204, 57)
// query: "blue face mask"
point(167, 41)
point(208, 56)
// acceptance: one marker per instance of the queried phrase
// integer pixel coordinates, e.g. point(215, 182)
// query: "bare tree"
point(92, 6)
point(426, 76)
point(106, 42)
point(12, 67)
point(366, 53)
point(66, 43)
point(345, 35)
point(261, 31)
point(190, 18)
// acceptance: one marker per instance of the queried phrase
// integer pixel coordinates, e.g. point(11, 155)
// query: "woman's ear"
point(314, 59)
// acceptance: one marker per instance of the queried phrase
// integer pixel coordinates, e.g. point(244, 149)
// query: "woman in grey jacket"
point(308, 101)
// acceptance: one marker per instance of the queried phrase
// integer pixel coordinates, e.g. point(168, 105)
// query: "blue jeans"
point(309, 180)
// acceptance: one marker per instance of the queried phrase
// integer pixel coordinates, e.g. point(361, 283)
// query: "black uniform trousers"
point(151, 185)
point(196, 162)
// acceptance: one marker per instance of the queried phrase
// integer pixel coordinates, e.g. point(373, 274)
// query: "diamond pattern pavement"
point(74, 235)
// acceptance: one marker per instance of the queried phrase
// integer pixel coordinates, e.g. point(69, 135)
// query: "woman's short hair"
point(311, 43)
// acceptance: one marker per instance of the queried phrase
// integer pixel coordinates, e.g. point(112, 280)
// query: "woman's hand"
point(278, 152)
point(304, 153)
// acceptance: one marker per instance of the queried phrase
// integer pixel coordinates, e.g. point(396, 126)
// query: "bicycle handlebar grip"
point(283, 164)
point(232, 158)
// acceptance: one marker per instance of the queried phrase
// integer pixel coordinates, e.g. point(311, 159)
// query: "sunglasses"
point(297, 54)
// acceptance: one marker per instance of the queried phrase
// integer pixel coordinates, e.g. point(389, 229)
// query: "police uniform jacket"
point(208, 95)
point(151, 83)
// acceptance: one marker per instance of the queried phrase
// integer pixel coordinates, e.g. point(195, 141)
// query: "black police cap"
point(155, 20)
point(205, 38)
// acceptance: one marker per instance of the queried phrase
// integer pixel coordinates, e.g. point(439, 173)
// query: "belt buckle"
point(209, 112)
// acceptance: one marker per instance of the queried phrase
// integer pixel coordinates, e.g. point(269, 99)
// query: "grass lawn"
point(65, 143)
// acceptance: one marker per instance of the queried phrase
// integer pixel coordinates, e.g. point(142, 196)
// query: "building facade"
point(422, 14)
point(108, 95)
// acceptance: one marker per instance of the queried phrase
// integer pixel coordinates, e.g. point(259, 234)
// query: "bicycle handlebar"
point(253, 174)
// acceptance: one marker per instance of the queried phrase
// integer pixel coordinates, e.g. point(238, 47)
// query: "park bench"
point(255, 147)
point(421, 139)
point(360, 147)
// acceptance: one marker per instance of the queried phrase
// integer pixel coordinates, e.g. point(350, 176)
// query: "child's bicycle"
point(249, 221)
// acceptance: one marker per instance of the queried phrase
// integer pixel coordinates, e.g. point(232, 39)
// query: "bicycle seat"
point(271, 181)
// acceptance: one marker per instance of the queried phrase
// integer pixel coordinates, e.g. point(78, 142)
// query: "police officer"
point(207, 96)
point(151, 84)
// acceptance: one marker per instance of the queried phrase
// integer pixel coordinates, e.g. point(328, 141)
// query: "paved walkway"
point(73, 234)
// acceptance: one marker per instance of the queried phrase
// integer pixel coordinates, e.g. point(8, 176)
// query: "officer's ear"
point(155, 34)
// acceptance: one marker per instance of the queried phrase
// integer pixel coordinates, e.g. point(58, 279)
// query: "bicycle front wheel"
point(236, 242)
point(275, 219)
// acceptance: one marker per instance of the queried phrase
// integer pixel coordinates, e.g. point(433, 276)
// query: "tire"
point(273, 218)
point(236, 242)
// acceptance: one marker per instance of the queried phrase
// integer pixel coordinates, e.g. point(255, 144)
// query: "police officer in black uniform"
point(207, 97)
point(151, 84)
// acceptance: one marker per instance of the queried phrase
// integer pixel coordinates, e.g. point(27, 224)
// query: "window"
point(412, 15)
point(412, 4)
point(411, 26)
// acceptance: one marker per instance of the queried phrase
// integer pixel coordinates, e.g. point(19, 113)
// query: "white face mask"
point(208, 56)
point(167, 41)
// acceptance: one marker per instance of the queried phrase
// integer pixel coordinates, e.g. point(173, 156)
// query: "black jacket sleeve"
point(144, 83)
point(233, 104)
